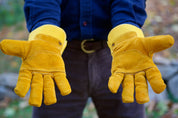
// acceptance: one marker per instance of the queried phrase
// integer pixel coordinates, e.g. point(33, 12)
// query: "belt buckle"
point(83, 46)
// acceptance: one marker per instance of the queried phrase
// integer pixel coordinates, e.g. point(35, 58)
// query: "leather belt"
point(89, 45)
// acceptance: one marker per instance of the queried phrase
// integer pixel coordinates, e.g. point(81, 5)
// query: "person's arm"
point(132, 53)
point(128, 12)
point(41, 12)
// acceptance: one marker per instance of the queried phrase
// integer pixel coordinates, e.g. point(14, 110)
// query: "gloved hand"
point(132, 63)
point(42, 64)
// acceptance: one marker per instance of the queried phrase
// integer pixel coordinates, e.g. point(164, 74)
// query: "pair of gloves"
point(132, 64)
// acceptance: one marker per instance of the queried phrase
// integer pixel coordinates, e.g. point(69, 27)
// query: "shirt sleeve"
point(128, 12)
point(41, 12)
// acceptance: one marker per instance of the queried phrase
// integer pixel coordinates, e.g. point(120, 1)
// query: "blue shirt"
point(84, 19)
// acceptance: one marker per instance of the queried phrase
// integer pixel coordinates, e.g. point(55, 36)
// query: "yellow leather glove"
point(132, 63)
point(42, 64)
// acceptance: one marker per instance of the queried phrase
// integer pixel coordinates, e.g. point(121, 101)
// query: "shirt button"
point(84, 23)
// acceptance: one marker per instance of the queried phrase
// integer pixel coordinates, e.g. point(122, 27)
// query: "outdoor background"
point(162, 19)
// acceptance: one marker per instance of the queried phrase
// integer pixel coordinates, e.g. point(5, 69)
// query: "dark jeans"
point(88, 75)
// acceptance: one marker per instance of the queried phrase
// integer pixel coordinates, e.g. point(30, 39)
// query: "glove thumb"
point(14, 47)
point(158, 43)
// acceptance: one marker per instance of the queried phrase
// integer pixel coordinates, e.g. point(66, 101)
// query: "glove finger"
point(115, 81)
point(49, 90)
point(62, 83)
point(14, 47)
point(36, 93)
point(154, 77)
point(141, 88)
point(158, 43)
point(23, 83)
point(128, 89)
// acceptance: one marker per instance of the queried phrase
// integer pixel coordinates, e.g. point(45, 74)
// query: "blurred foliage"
point(16, 109)
point(11, 12)
point(159, 110)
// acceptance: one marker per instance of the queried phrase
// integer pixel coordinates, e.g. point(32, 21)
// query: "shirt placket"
point(86, 19)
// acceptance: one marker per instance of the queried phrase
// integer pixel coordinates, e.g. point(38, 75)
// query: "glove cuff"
point(50, 30)
point(119, 30)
